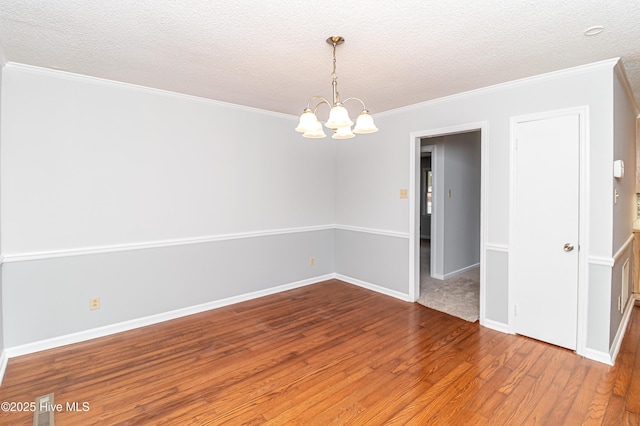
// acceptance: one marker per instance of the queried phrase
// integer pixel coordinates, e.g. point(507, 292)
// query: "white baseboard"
point(373, 287)
point(495, 325)
point(152, 319)
point(4, 359)
point(454, 273)
point(617, 341)
point(592, 354)
point(595, 355)
point(460, 271)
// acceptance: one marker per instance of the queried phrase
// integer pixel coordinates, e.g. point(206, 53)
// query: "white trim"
point(414, 212)
point(610, 358)
point(4, 359)
point(54, 254)
point(157, 244)
point(112, 83)
point(152, 319)
point(540, 78)
point(595, 355)
point(622, 329)
point(502, 248)
point(495, 325)
point(602, 261)
point(460, 271)
point(373, 231)
point(95, 333)
point(622, 250)
point(3, 62)
point(583, 215)
point(373, 287)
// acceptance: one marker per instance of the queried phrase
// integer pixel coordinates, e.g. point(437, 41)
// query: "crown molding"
point(150, 90)
point(582, 69)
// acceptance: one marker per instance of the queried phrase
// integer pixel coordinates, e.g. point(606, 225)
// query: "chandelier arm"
point(321, 102)
point(356, 99)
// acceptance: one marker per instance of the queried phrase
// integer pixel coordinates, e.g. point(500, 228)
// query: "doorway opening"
point(448, 220)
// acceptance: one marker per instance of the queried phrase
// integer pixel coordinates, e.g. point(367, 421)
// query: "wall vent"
point(43, 414)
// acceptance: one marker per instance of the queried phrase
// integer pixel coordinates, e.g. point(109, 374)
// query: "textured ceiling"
point(272, 54)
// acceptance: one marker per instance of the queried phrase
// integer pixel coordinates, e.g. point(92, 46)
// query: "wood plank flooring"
point(326, 354)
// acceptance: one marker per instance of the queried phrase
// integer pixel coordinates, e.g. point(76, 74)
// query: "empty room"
point(242, 212)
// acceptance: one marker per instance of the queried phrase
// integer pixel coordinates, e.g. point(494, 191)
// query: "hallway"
point(458, 296)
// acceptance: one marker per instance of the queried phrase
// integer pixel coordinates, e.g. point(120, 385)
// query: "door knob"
point(568, 247)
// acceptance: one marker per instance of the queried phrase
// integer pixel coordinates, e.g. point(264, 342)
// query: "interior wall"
point(49, 298)
point(458, 229)
point(624, 148)
point(150, 200)
point(371, 201)
point(115, 164)
point(625, 210)
point(461, 202)
point(2, 344)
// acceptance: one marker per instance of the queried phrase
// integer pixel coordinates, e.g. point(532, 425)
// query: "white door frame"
point(583, 213)
point(414, 203)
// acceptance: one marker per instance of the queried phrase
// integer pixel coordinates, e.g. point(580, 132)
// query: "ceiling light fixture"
point(339, 120)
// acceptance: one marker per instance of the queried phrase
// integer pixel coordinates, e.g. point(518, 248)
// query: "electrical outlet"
point(94, 303)
point(312, 261)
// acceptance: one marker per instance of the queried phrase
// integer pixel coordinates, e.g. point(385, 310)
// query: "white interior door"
point(544, 246)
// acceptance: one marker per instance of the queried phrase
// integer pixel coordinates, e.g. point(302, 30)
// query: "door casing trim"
point(414, 205)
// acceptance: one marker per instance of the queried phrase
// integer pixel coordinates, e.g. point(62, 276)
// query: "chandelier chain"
point(333, 74)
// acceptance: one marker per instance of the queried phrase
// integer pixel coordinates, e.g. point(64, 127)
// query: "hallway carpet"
point(458, 296)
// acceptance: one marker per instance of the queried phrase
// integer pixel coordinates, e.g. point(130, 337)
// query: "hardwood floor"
point(329, 353)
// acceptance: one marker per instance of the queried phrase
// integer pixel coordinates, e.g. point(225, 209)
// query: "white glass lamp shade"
point(307, 121)
point(343, 133)
point(315, 132)
point(364, 123)
point(338, 117)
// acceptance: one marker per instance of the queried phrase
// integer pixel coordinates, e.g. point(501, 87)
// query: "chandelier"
point(339, 120)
